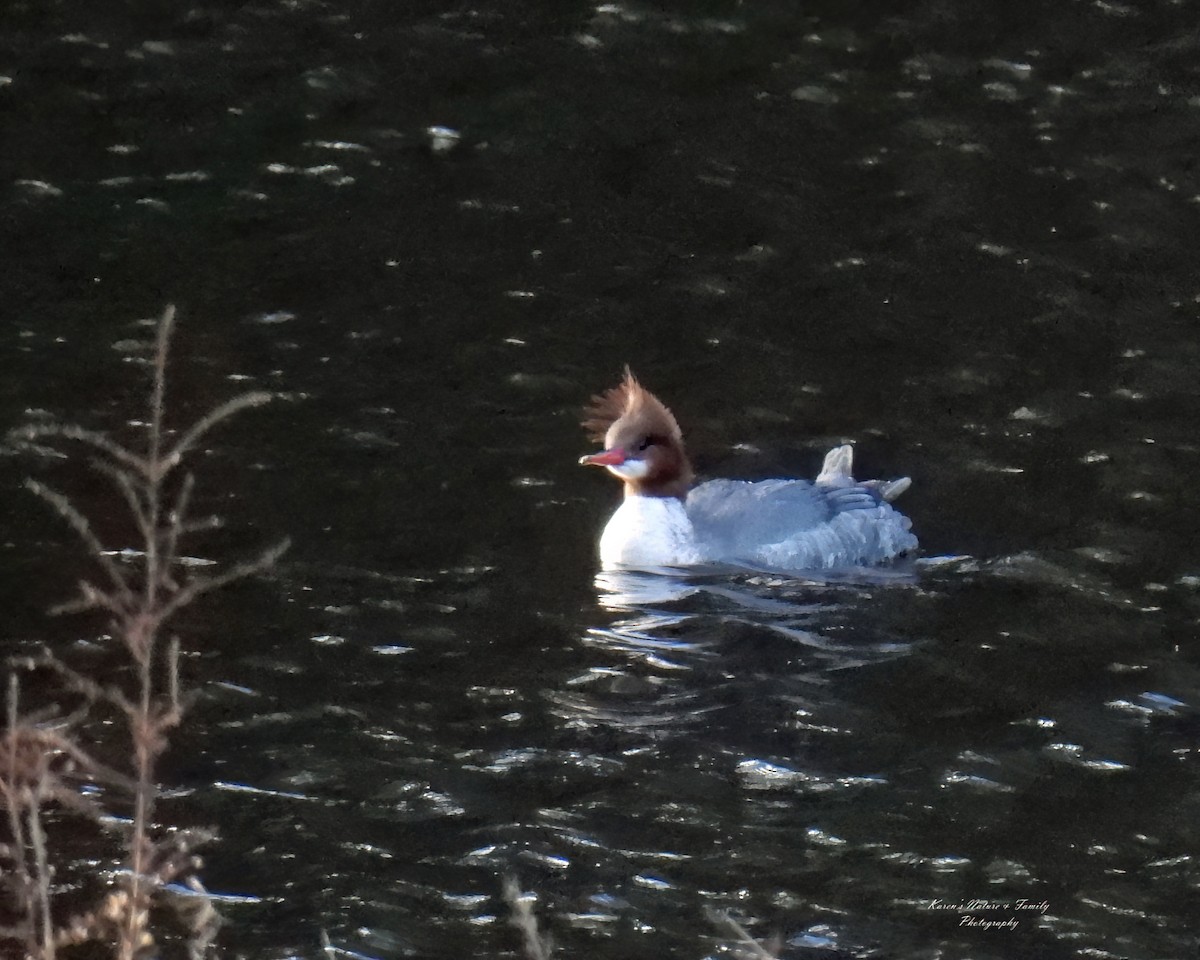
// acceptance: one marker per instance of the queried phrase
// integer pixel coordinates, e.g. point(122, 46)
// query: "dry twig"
point(141, 598)
point(746, 946)
point(537, 945)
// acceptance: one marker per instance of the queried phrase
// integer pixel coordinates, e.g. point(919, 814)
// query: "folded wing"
point(798, 525)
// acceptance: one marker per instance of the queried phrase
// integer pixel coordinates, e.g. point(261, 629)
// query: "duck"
point(666, 519)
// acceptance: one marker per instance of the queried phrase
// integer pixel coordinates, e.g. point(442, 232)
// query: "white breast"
point(649, 532)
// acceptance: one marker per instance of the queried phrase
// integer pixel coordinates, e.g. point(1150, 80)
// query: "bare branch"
point(537, 946)
point(80, 929)
point(14, 694)
point(79, 523)
point(141, 598)
point(91, 437)
point(130, 490)
point(173, 674)
point(90, 598)
point(166, 463)
point(24, 443)
point(166, 326)
point(22, 883)
point(174, 855)
point(753, 947)
point(200, 526)
point(93, 768)
point(205, 921)
point(82, 685)
point(263, 561)
point(37, 839)
point(175, 521)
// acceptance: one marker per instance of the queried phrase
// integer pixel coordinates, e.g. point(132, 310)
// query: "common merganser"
point(790, 525)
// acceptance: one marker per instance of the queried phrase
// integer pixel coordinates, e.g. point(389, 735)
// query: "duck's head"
point(643, 445)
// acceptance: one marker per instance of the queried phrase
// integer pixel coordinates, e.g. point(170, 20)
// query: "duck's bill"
point(605, 458)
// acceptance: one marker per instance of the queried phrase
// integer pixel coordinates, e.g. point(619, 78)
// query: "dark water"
point(962, 235)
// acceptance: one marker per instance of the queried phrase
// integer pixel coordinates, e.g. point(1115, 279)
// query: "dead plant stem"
point(141, 603)
point(37, 838)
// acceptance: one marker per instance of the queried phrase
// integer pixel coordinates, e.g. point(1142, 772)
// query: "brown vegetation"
point(42, 759)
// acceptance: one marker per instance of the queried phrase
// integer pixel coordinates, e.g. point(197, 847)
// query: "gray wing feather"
point(795, 524)
point(736, 517)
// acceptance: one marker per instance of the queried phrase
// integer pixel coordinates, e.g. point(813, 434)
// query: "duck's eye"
point(646, 441)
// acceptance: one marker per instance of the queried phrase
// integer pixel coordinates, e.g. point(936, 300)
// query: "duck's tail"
point(838, 471)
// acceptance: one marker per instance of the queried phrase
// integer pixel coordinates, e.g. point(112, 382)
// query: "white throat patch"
point(630, 469)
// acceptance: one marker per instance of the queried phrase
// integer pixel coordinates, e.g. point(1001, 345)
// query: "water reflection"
point(710, 601)
point(712, 697)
